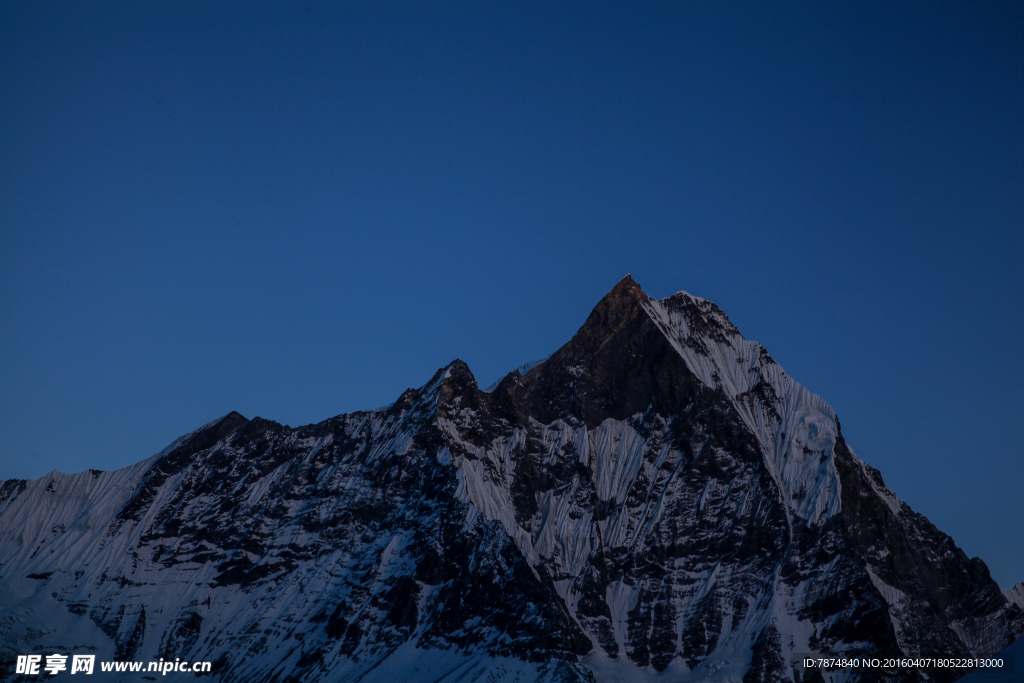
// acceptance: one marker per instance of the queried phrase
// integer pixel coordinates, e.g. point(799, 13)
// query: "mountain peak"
point(618, 306)
point(619, 363)
point(626, 289)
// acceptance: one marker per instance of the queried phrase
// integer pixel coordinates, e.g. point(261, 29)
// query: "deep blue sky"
point(301, 209)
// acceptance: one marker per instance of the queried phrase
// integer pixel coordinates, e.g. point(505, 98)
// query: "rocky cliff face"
point(657, 500)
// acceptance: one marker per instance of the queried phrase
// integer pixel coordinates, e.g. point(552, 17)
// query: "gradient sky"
point(295, 210)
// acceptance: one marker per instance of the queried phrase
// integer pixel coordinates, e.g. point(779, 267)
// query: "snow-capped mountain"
point(656, 501)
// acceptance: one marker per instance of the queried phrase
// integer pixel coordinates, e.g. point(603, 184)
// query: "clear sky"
point(299, 209)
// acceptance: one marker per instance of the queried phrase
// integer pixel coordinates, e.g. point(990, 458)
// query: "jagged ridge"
point(656, 496)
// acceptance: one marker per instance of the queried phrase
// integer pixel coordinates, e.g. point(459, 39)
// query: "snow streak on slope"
point(1016, 594)
point(796, 428)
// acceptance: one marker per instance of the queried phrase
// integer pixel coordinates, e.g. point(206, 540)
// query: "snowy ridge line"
point(68, 508)
point(798, 442)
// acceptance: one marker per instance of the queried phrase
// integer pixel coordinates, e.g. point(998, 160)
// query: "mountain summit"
point(658, 500)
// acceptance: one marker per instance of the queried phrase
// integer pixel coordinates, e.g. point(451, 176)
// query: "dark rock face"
point(658, 493)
